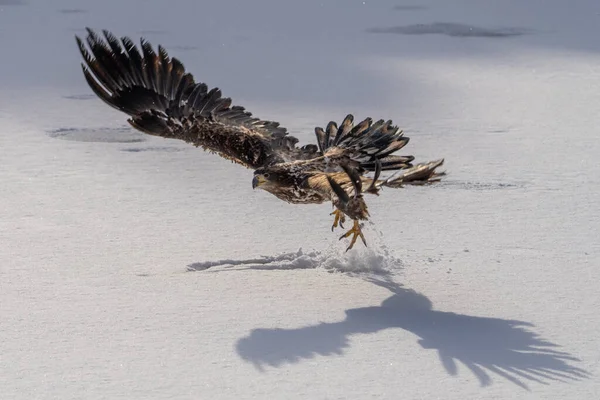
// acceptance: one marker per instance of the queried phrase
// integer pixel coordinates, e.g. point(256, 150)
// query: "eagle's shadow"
point(510, 349)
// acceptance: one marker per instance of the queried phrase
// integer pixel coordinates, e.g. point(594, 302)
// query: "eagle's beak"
point(257, 181)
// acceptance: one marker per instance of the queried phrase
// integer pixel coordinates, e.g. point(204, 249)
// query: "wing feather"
point(366, 147)
point(162, 99)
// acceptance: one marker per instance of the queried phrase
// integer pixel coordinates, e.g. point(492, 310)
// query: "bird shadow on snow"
point(486, 346)
point(510, 349)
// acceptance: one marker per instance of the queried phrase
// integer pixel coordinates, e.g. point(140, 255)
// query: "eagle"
point(162, 99)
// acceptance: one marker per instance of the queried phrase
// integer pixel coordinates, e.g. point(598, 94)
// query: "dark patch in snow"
point(107, 135)
point(155, 148)
point(72, 11)
point(409, 7)
point(80, 97)
point(488, 347)
point(451, 29)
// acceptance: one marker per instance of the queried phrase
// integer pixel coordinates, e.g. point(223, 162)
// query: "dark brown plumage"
point(163, 100)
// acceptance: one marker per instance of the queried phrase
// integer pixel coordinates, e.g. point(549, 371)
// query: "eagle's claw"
point(340, 218)
point(356, 231)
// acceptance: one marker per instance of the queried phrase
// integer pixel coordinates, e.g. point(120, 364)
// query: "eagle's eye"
point(266, 175)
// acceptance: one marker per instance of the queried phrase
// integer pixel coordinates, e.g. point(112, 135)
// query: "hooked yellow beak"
point(257, 181)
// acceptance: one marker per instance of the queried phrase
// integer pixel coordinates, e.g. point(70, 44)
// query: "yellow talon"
point(356, 231)
point(340, 218)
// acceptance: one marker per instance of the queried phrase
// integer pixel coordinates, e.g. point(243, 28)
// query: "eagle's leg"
point(356, 231)
point(340, 218)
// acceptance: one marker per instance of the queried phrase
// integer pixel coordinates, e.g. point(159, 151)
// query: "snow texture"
point(134, 267)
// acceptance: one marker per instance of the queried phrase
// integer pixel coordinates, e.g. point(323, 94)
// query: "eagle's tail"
point(419, 174)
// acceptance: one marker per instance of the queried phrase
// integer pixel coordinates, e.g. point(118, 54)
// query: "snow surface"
point(133, 267)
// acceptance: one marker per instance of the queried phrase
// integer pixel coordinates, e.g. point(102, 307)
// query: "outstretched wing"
point(367, 147)
point(163, 100)
point(369, 144)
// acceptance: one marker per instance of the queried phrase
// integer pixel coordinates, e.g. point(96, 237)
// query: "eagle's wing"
point(367, 143)
point(163, 100)
point(368, 147)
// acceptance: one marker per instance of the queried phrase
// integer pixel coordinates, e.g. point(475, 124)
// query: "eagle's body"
point(163, 100)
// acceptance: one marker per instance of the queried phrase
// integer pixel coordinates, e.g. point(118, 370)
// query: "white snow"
point(135, 267)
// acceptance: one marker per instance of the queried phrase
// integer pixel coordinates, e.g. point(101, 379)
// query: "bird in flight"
point(162, 99)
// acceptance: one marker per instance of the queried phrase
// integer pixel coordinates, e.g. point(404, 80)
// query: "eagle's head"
point(268, 178)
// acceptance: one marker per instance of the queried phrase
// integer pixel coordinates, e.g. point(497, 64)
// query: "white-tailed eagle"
point(163, 100)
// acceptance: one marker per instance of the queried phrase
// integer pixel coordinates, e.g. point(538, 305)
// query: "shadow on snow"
point(510, 349)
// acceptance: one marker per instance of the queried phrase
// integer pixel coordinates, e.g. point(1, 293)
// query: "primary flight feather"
point(162, 99)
